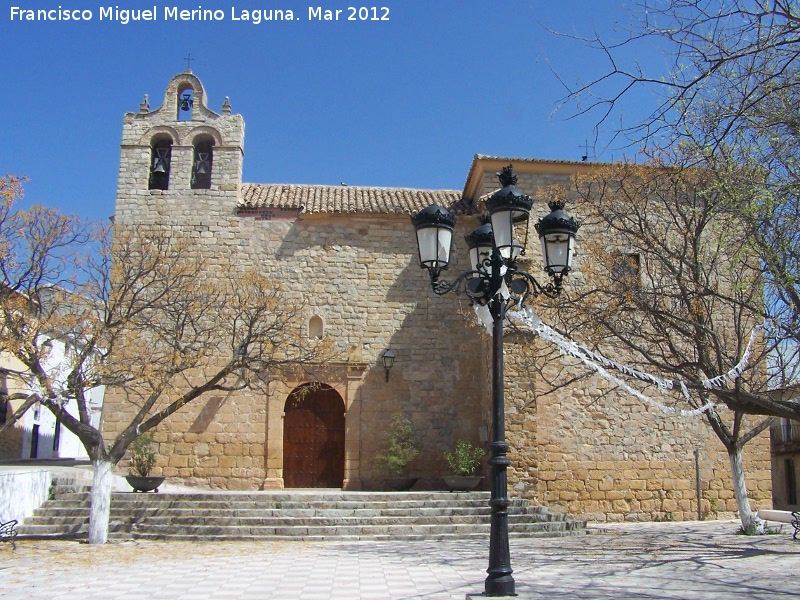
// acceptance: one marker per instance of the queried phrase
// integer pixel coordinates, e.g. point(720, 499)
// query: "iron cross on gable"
point(189, 60)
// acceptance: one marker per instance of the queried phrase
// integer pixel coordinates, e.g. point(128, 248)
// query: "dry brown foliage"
point(142, 311)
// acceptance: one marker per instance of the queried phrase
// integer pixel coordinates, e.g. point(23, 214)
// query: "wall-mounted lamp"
point(388, 362)
point(241, 354)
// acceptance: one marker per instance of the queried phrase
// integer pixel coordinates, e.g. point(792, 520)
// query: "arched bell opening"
point(160, 161)
point(185, 103)
point(202, 162)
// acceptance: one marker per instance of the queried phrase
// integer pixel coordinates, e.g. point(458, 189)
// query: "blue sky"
point(405, 102)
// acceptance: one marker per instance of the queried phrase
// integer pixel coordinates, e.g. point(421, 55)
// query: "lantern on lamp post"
point(557, 235)
point(434, 226)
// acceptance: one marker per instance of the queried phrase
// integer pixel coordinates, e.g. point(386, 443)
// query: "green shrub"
point(399, 449)
point(465, 459)
point(143, 458)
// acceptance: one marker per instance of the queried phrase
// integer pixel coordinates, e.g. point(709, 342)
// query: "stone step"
point(60, 490)
point(64, 514)
point(207, 512)
point(334, 529)
point(301, 515)
point(271, 501)
point(299, 494)
point(119, 530)
point(172, 503)
point(298, 508)
point(276, 521)
point(61, 485)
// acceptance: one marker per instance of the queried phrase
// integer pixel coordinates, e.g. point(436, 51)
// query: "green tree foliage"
point(399, 448)
point(143, 457)
point(465, 459)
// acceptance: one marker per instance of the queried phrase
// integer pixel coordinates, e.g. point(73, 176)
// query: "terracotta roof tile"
point(348, 199)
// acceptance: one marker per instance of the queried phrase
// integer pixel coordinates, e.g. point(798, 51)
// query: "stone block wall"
point(218, 441)
point(597, 453)
point(11, 443)
point(605, 456)
point(356, 274)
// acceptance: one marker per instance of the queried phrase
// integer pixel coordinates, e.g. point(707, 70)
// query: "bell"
point(161, 159)
point(201, 164)
point(186, 102)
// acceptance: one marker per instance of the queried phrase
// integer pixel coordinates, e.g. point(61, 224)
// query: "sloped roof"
point(543, 161)
point(348, 199)
point(482, 163)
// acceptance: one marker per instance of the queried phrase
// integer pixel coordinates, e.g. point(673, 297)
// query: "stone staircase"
point(299, 514)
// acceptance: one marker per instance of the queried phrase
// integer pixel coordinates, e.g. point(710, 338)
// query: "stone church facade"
point(351, 253)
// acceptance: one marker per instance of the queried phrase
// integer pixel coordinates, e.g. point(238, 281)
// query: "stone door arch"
point(313, 438)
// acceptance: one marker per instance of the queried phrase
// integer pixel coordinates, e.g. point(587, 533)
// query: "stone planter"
point(401, 484)
point(144, 484)
point(461, 483)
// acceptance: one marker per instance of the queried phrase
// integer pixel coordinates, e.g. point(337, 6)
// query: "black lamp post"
point(496, 282)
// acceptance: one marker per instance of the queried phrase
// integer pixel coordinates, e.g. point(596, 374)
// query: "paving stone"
point(656, 561)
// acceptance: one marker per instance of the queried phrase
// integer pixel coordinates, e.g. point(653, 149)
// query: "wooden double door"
point(313, 438)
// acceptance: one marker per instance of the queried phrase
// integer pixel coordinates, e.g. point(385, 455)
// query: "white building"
point(40, 434)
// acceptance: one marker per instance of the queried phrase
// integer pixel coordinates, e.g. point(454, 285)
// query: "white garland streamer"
point(721, 381)
point(599, 363)
point(484, 317)
point(594, 361)
point(530, 319)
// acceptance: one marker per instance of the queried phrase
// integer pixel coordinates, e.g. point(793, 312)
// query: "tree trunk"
point(100, 502)
point(751, 523)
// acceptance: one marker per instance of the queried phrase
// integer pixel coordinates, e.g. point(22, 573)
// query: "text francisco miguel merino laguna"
point(175, 13)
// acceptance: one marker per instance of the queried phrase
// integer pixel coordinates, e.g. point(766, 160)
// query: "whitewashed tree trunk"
point(751, 523)
point(100, 502)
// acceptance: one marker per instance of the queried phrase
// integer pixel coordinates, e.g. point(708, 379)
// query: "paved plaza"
point(650, 561)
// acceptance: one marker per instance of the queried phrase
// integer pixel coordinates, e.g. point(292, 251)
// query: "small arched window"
point(201, 165)
point(315, 327)
point(160, 157)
